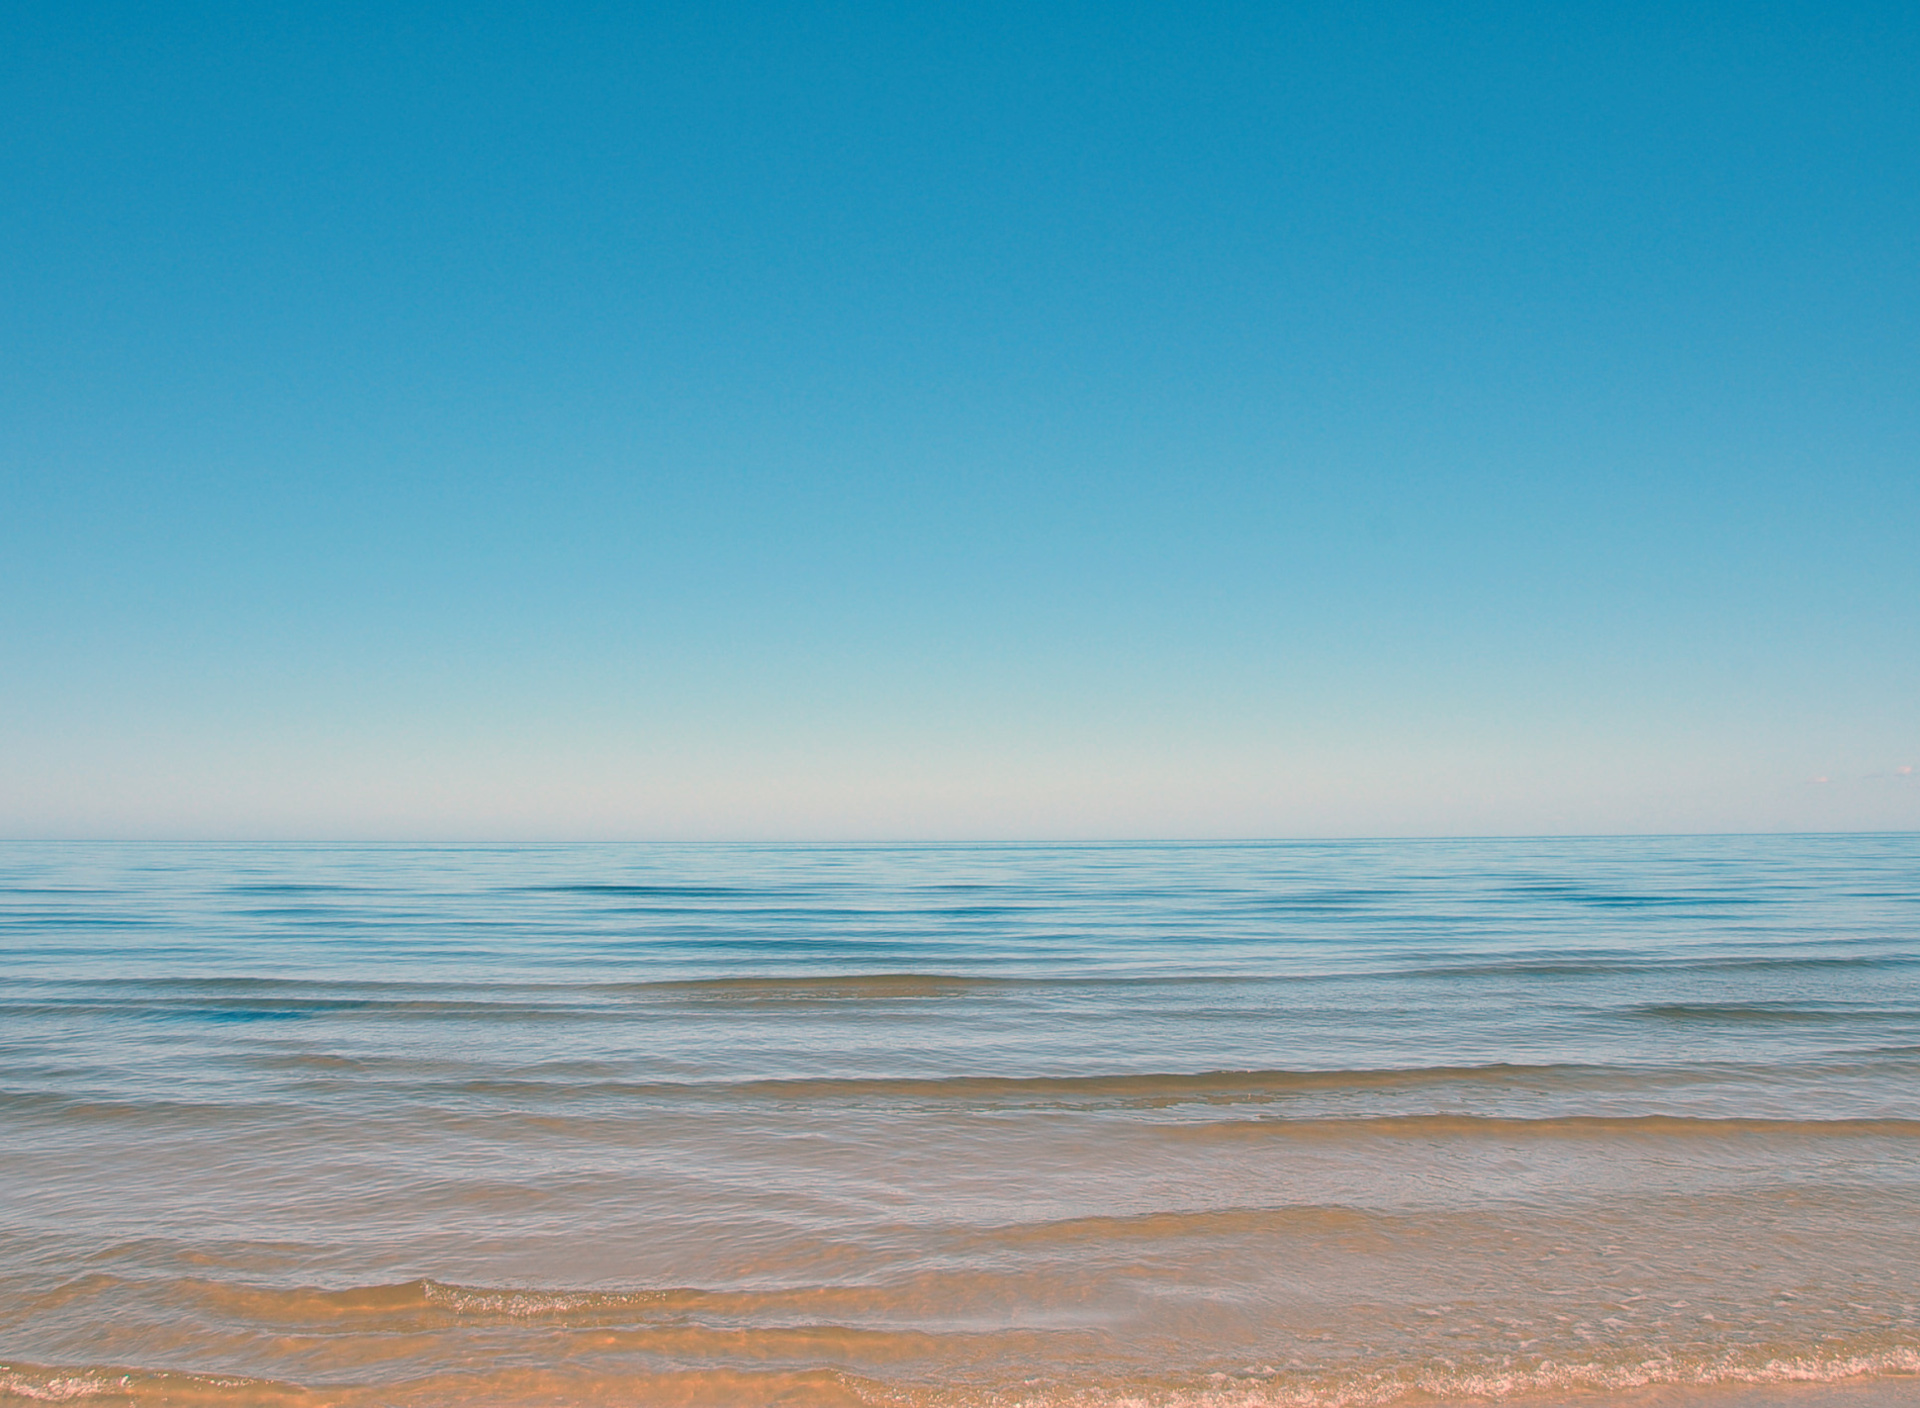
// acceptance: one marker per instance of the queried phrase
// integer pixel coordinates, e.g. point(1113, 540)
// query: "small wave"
point(1593, 897)
point(293, 889)
point(52, 1386)
point(85, 1109)
point(1136, 1090)
point(1431, 1126)
point(1276, 1101)
point(572, 1087)
point(826, 987)
point(1106, 1230)
point(425, 1303)
point(1560, 967)
point(646, 891)
point(31, 1383)
point(1756, 1014)
point(1155, 1088)
point(1140, 1090)
point(1449, 1383)
point(824, 1386)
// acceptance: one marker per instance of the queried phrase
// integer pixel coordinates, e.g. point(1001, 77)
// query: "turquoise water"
point(1302, 1123)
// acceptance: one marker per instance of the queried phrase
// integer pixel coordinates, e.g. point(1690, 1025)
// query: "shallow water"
point(1305, 1124)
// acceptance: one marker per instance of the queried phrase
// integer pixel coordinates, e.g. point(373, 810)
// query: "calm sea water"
point(1311, 1124)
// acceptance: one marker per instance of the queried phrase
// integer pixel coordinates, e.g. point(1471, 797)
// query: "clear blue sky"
point(989, 420)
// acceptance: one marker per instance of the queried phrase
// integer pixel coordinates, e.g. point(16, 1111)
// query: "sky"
point(845, 421)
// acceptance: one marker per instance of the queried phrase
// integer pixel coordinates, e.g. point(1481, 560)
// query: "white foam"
point(1378, 1390)
point(58, 1389)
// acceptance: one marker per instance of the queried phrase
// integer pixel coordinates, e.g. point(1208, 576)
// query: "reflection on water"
point(1328, 1123)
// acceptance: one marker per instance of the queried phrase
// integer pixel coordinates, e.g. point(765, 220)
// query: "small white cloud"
point(1820, 779)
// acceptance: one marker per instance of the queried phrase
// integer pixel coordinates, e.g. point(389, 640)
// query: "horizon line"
point(932, 841)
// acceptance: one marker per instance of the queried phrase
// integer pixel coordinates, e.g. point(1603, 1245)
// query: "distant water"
point(1326, 1124)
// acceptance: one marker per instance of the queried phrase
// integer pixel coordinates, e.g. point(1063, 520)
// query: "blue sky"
point(857, 421)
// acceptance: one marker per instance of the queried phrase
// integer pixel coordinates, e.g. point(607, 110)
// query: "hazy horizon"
point(957, 843)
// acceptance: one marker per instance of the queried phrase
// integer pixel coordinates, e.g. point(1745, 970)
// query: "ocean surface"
point(1600, 1120)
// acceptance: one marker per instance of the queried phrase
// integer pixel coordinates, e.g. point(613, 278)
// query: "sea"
point(1569, 1121)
